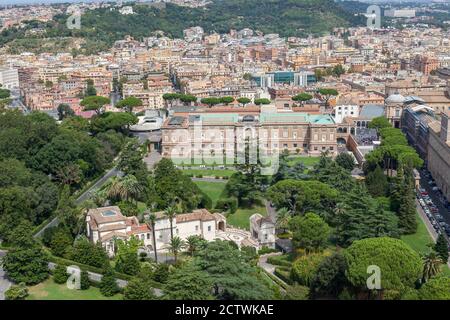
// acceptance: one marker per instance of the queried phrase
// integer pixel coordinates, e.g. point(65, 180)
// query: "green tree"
point(284, 216)
point(407, 208)
point(27, 265)
point(129, 103)
point(302, 97)
point(296, 292)
point(131, 160)
point(211, 101)
point(4, 93)
point(376, 182)
point(169, 183)
point(61, 240)
point(127, 256)
point(380, 123)
point(303, 196)
point(193, 243)
point(126, 188)
point(310, 232)
point(85, 283)
point(244, 101)
point(137, 289)
point(60, 274)
point(262, 101)
point(232, 277)
point(401, 266)
point(64, 111)
point(117, 121)
point(161, 273)
point(338, 70)
point(431, 266)
point(152, 220)
point(188, 283)
point(108, 285)
point(441, 247)
point(436, 289)
point(327, 94)
point(95, 103)
point(329, 279)
point(305, 267)
point(329, 172)
point(85, 252)
point(346, 161)
point(226, 100)
point(17, 292)
point(361, 217)
point(176, 245)
point(90, 89)
point(188, 99)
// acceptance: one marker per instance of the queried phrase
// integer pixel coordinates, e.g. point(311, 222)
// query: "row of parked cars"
point(432, 212)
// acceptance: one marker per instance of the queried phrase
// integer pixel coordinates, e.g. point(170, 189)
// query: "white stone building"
point(263, 230)
point(9, 78)
point(107, 224)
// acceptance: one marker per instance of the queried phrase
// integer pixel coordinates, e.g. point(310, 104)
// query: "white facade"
point(343, 111)
point(9, 78)
point(107, 224)
point(263, 230)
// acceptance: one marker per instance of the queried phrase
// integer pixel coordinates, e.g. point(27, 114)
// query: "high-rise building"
point(9, 78)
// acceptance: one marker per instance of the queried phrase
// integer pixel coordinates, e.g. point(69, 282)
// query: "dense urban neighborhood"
point(194, 156)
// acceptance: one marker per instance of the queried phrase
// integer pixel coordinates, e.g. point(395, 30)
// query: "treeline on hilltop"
point(286, 17)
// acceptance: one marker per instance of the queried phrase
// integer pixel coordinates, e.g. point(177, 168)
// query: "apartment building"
point(439, 153)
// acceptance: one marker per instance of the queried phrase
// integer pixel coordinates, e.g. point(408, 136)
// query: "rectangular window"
point(196, 228)
point(209, 228)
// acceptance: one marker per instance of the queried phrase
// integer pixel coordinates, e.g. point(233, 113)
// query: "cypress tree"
point(108, 284)
point(84, 281)
point(407, 210)
point(60, 274)
point(376, 182)
point(441, 248)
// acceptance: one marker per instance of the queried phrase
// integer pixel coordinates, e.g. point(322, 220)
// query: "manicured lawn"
point(241, 217)
point(420, 239)
point(215, 190)
point(307, 161)
point(209, 173)
point(49, 290)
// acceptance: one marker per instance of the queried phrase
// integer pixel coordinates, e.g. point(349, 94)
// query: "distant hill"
point(101, 27)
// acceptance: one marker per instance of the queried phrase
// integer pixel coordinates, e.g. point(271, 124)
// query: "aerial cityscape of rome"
point(224, 150)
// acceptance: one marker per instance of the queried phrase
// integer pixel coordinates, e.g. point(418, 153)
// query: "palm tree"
point(283, 218)
point(131, 188)
point(192, 243)
point(125, 188)
point(176, 245)
point(431, 265)
point(170, 213)
point(152, 220)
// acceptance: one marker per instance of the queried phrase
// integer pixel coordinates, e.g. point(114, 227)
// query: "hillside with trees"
point(101, 27)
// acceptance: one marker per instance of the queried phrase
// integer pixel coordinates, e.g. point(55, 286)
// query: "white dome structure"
point(395, 99)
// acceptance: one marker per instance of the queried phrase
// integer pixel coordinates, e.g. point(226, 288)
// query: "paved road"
point(151, 159)
point(270, 268)
point(4, 282)
point(271, 211)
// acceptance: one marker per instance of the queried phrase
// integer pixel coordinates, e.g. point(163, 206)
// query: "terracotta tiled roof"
point(200, 214)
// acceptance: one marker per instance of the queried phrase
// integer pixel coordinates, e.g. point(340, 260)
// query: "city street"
point(434, 195)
